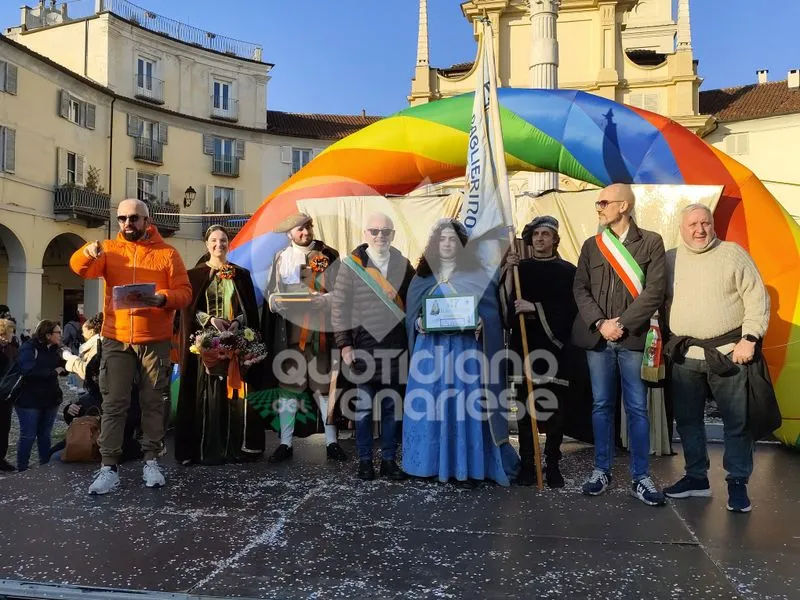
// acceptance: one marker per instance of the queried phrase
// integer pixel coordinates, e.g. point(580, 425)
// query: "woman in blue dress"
point(454, 425)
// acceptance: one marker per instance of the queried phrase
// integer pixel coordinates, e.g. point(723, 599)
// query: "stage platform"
point(310, 529)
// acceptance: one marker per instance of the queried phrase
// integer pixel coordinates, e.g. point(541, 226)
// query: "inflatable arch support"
point(579, 135)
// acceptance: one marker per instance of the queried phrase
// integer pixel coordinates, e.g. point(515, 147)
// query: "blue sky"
point(342, 56)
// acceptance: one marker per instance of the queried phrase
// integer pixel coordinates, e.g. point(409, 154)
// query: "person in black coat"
point(368, 317)
point(8, 357)
point(40, 395)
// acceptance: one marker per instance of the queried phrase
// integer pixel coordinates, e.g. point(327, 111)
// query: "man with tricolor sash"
point(368, 316)
point(619, 287)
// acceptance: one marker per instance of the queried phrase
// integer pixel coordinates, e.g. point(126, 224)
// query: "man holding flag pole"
point(486, 211)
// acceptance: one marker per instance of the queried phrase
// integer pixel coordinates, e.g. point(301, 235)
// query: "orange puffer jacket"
point(148, 260)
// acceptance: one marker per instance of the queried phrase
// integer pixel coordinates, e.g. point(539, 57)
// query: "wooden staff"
point(531, 403)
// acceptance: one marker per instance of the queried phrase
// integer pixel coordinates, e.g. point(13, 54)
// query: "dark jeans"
point(554, 426)
point(692, 382)
point(6, 409)
point(367, 395)
point(34, 425)
point(607, 368)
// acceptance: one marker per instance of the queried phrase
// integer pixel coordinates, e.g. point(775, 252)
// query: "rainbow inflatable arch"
point(577, 134)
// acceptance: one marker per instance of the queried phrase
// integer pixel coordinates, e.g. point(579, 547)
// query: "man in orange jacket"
point(136, 334)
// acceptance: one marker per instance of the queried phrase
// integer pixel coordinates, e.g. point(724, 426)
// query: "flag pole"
point(500, 163)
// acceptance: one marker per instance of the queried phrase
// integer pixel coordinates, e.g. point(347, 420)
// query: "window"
point(71, 168)
point(145, 71)
point(300, 158)
point(224, 200)
point(149, 138)
point(646, 100)
point(75, 111)
point(737, 144)
point(79, 112)
point(8, 77)
point(7, 149)
point(222, 96)
point(146, 186)
point(226, 153)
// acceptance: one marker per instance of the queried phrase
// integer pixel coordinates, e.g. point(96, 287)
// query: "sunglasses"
point(386, 231)
point(603, 204)
point(131, 218)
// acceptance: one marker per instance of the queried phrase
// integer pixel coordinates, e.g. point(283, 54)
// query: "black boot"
point(365, 470)
point(390, 470)
point(553, 476)
point(335, 452)
point(282, 453)
point(527, 475)
point(6, 466)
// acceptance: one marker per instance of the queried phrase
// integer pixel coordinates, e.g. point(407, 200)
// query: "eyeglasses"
point(386, 231)
point(131, 218)
point(603, 204)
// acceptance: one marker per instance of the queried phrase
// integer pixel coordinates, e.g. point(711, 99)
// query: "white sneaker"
point(105, 480)
point(152, 475)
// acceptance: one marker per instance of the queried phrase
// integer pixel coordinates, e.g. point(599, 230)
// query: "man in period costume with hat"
point(549, 308)
point(296, 322)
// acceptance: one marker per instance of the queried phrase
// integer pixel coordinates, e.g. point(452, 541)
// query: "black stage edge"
point(309, 529)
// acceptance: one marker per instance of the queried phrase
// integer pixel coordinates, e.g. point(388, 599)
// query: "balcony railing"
point(180, 31)
point(233, 223)
point(149, 88)
point(227, 166)
point(148, 150)
point(166, 217)
point(83, 206)
point(225, 109)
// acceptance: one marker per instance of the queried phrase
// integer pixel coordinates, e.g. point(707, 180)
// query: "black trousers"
point(6, 410)
point(553, 426)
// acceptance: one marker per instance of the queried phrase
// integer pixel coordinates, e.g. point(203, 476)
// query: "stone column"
point(25, 295)
point(544, 68)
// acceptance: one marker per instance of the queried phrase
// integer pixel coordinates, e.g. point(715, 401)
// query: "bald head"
point(379, 232)
point(133, 206)
point(615, 206)
point(134, 217)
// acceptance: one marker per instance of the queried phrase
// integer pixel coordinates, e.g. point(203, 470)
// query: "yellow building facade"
point(124, 103)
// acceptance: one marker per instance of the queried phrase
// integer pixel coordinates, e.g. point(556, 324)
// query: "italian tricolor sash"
point(632, 276)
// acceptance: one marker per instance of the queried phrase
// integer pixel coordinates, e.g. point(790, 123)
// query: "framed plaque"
point(449, 313)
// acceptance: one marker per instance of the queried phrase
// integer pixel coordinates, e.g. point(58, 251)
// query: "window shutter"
point(209, 199)
point(134, 126)
point(91, 114)
point(238, 149)
point(11, 78)
point(64, 101)
point(208, 144)
point(651, 102)
point(130, 183)
point(163, 188)
point(238, 202)
point(62, 166)
point(80, 170)
point(163, 133)
point(9, 150)
point(286, 155)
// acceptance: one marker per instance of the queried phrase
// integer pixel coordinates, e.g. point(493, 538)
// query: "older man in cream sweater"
point(718, 313)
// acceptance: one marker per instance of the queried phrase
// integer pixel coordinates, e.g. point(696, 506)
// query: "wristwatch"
point(750, 338)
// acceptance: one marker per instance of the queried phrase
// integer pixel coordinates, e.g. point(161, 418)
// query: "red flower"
point(226, 272)
point(318, 263)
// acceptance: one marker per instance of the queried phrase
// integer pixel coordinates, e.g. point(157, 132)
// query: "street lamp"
point(189, 196)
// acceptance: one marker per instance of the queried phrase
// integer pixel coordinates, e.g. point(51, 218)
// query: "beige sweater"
point(713, 291)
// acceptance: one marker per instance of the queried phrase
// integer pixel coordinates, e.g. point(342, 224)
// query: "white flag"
point(486, 211)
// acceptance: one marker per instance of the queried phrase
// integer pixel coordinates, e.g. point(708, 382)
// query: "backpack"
point(81, 440)
point(11, 384)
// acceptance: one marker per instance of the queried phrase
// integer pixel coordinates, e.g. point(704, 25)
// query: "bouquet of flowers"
point(223, 340)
